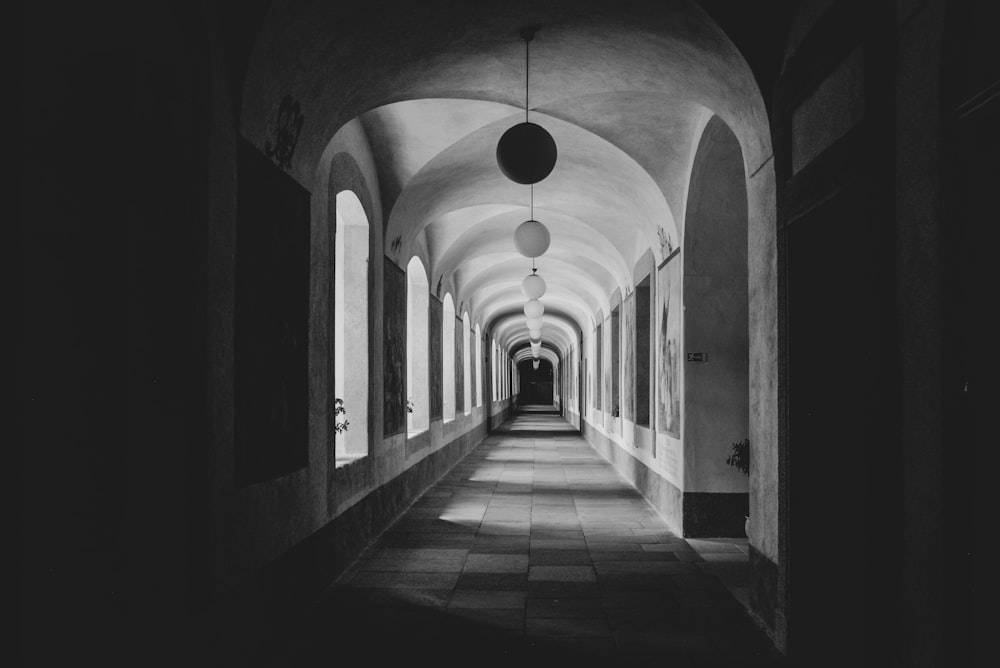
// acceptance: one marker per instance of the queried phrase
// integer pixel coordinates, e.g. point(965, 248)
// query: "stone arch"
point(417, 347)
point(715, 324)
point(467, 370)
point(351, 338)
point(448, 357)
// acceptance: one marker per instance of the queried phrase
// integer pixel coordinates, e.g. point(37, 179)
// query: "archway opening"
point(468, 366)
point(479, 365)
point(351, 335)
point(535, 386)
point(448, 359)
point(463, 230)
point(417, 349)
point(714, 369)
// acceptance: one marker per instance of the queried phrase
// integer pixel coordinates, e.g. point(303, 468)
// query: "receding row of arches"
point(448, 375)
point(623, 380)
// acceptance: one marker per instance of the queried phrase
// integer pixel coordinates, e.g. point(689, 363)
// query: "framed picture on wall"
point(668, 338)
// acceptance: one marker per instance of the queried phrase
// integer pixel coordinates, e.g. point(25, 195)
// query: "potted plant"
point(739, 458)
point(338, 409)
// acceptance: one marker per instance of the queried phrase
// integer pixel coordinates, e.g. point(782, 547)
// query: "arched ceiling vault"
point(625, 89)
point(509, 330)
point(524, 355)
point(499, 307)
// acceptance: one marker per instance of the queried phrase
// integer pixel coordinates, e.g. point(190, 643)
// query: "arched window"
point(501, 364)
point(467, 341)
point(496, 376)
point(448, 362)
point(507, 374)
point(417, 348)
point(479, 366)
point(505, 377)
point(351, 327)
point(503, 373)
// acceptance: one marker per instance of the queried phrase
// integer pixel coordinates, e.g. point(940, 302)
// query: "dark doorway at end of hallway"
point(536, 384)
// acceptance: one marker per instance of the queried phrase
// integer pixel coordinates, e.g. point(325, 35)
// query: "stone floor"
point(534, 551)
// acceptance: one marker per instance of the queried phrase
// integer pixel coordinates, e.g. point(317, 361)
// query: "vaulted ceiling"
point(625, 89)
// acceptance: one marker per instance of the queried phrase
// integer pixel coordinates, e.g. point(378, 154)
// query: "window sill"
point(347, 460)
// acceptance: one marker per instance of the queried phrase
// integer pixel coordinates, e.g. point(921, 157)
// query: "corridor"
point(532, 550)
point(288, 268)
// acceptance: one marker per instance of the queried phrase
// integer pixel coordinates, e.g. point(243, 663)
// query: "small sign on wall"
point(697, 357)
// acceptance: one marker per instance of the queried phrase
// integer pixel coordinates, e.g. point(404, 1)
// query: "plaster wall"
point(665, 497)
point(253, 525)
point(920, 200)
point(608, 414)
point(179, 354)
point(716, 395)
point(762, 281)
point(716, 398)
point(713, 73)
point(947, 58)
point(637, 452)
point(393, 455)
point(116, 302)
point(352, 359)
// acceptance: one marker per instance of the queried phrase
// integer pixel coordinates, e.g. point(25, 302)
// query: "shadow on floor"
point(532, 551)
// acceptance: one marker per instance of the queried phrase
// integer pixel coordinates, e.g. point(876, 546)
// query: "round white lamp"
point(534, 308)
point(533, 286)
point(531, 238)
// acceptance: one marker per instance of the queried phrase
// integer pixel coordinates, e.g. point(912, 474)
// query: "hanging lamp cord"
point(527, 80)
point(527, 75)
point(532, 203)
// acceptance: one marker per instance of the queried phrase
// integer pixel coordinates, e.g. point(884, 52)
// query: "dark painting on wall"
point(394, 348)
point(668, 299)
point(271, 328)
point(579, 371)
point(598, 369)
point(568, 369)
point(487, 371)
point(459, 366)
point(436, 356)
point(612, 382)
point(473, 371)
point(628, 342)
point(641, 344)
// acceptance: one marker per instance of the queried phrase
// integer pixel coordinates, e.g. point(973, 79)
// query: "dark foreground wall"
point(245, 621)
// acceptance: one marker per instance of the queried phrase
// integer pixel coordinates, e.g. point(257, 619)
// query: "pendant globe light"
point(534, 364)
point(526, 153)
point(534, 324)
point(533, 308)
point(533, 285)
point(531, 238)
